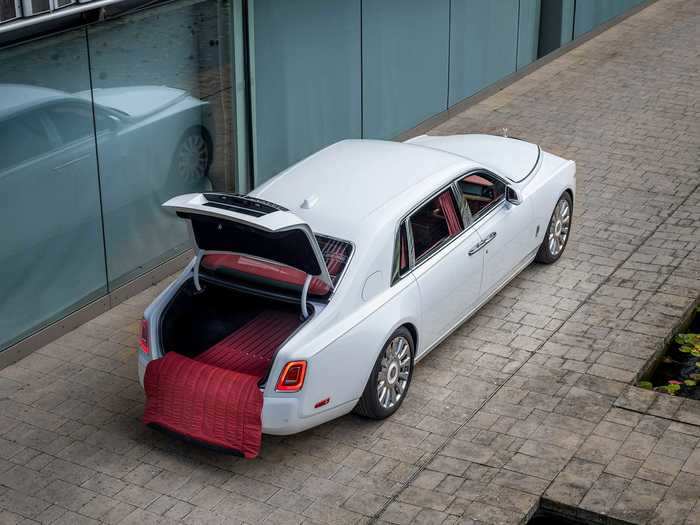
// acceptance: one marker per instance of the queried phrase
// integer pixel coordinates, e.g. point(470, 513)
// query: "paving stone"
point(638, 501)
point(604, 493)
point(598, 449)
point(572, 484)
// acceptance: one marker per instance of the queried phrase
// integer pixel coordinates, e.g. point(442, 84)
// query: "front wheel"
point(557, 234)
point(388, 383)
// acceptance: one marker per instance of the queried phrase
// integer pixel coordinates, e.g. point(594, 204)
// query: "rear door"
point(227, 223)
point(448, 277)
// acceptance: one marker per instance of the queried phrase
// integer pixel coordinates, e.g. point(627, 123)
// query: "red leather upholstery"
point(215, 398)
point(454, 225)
point(265, 269)
point(251, 349)
point(203, 402)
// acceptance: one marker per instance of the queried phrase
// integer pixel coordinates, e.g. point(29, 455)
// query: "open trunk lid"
point(229, 223)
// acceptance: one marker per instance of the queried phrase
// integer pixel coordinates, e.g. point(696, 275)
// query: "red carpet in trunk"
point(215, 398)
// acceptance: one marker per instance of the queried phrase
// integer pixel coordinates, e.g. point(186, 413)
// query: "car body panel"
point(343, 339)
point(511, 158)
point(273, 222)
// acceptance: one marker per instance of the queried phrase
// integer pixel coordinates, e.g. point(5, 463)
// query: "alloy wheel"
point(559, 227)
point(394, 372)
point(193, 158)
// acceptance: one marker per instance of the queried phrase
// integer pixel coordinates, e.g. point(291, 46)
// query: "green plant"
point(645, 384)
point(671, 388)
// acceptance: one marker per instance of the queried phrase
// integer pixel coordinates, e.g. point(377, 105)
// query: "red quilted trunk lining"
point(214, 398)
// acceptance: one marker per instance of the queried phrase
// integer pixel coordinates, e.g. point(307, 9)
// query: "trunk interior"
point(194, 322)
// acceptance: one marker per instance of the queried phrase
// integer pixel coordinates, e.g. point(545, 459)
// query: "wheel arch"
point(414, 334)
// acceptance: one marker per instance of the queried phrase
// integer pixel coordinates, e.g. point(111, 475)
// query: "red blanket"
point(215, 398)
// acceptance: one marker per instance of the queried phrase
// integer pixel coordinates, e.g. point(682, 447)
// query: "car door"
point(502, 227)
point(448, 278)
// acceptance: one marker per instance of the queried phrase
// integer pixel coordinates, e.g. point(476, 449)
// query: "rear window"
point(262, 272)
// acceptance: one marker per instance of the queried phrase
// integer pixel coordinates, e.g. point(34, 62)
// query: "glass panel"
point(556, 25)
point(9, 10)
point(51, 252)
point(306, 90)
point(34, 7)
point(433, 223)
point(163, 108)
point(528, 31)
point(592, 13)
point(483, 41)
point(481, 192)
point(404, 60)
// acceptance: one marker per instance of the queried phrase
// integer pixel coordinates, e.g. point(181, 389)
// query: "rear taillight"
point(292, 377)
point(143, 339)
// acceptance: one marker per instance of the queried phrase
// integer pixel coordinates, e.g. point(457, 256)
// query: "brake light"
point(143, 340)
point(292, 377)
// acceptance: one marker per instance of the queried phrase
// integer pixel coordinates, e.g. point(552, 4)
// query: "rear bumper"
point(280, 415)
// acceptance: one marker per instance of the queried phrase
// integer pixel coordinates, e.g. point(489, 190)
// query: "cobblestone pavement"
point(530, 399)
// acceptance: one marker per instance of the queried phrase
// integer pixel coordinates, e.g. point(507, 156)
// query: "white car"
point(355, 263)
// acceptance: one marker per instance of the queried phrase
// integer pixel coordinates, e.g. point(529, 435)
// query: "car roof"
point(347, 187)
point(16, 97)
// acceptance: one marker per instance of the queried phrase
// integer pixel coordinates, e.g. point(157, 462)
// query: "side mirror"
point(513, 196)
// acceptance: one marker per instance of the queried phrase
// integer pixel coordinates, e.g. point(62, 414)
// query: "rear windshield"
point(260, 271)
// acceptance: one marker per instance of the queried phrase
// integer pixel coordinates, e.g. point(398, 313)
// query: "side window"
point(401, 261)
point(73, 121)
point(481, 192)
point(434, 222)
point(23, 138)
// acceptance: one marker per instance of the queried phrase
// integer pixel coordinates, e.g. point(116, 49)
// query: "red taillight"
point(143, 340)
point(292, 377)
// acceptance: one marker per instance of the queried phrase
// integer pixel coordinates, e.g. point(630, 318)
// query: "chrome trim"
point(482, 243)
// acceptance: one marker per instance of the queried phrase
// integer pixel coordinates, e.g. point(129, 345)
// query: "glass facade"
point(305, 78)
point(100, 124)
point(98, 127)
point(51, 242)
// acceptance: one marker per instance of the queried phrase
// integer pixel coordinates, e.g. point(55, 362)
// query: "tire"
point(558, 231)
point(193, 157)
point(395, 360)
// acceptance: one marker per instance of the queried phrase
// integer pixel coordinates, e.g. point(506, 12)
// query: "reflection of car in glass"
point(360, 260)
point(147, 119)
point(152, 142)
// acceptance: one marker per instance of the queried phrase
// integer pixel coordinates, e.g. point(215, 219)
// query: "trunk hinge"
point(304, 294)
point(197, 261)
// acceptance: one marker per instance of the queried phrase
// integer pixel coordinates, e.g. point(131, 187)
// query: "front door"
point(448, 277)
point(502, 226)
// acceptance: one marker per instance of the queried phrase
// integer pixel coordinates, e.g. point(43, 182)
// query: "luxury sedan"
point(317, 293)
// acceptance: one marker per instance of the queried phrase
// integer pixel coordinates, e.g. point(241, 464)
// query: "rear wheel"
point(390, 378)
point(557, 234)
point(193, 156)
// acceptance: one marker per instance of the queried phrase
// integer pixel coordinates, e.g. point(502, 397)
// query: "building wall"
point(326, 70)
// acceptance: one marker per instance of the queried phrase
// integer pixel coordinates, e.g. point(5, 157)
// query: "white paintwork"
point(510, 158)
point(361, 190)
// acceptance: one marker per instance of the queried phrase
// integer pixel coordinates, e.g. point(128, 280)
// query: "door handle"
point(479, 245)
